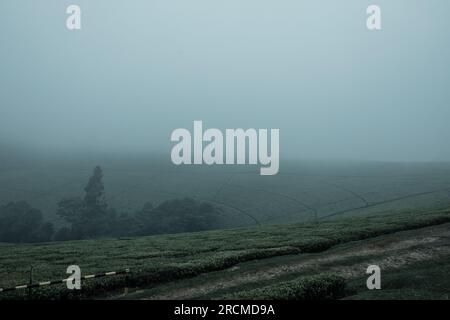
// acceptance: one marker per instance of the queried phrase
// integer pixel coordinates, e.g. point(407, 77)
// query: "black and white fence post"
point(32, 285)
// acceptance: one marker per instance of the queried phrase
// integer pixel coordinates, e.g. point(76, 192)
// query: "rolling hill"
point(320, 247)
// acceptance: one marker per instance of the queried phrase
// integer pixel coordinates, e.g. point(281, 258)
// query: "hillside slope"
point(414, 264)
point(163, 259)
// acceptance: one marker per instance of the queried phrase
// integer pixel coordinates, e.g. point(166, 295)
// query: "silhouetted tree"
point(179, 215)
point(64, 234)
point(94, 197)
point(90, 216)
point(19, 222)
point(123, 224)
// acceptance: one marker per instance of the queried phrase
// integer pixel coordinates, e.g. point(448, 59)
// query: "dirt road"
point(350, 260)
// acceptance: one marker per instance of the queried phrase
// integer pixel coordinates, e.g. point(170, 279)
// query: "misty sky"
point(139, 69)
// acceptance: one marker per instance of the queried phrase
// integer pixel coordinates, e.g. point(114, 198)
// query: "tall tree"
point(89, 217)
point(95, 189)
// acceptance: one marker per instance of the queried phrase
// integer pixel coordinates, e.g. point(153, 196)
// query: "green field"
point(293, 221)
point(300, 192)
point(162, 260)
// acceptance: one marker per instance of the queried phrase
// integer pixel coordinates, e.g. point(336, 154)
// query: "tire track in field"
point(371, 205)
point(353, 193)
point(302, 204)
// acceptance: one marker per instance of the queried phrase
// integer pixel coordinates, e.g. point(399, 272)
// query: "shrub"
point(320, 287)
point(19, 222)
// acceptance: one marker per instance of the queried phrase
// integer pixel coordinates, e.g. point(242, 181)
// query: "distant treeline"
point(90, 217)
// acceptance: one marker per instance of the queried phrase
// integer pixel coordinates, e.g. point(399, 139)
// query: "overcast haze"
point(139, 69)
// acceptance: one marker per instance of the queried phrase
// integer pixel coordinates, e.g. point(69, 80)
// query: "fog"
point(138, 70)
